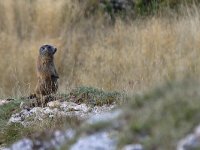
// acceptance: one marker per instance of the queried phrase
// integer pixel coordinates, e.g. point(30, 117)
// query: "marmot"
point(47, 78)
point(46, 72)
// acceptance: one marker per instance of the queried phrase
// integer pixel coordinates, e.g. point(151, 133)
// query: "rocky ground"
point(55, 109)
point(87, 105)
point(96, 120)
point(92, 115)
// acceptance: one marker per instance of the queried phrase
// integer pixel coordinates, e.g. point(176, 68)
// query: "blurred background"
point(128, 46)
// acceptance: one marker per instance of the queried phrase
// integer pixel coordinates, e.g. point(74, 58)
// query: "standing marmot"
point(46, 72)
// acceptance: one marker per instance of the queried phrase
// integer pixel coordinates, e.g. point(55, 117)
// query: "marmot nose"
point(55, 49)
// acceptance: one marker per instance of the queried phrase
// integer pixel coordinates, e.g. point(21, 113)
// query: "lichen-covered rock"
point(133, 147)
point(104, 117)
point(55, 142)
point(97, 141)
point(70, 106)
point(105, 138)
point(60, 109)
point(54, 104)
point(191, 141)
point(5, 101)
point(25, 144)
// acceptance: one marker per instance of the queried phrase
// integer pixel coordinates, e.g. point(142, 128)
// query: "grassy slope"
point(157, 118)
point(90, 96)
point(161, 117)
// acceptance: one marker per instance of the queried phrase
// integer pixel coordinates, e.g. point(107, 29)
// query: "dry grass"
point(128, 57)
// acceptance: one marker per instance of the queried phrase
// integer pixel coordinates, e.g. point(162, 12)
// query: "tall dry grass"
point(128, 57)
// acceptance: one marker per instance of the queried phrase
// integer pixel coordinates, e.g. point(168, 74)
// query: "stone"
point(59, 109)
point(191, 141)
point(54, 104)
point(97, 141)
point(25, 144)
point(3, 101)
point(133, 147)
point(57, 140)
point(104, 117)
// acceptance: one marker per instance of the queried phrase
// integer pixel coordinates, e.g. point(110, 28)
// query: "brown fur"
point(47, 76)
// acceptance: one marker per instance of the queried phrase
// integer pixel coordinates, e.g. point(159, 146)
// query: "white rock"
point(57, 140)
point(54, 104)
point(82, 107)
point(133, 147)
point(48, 111)
point(97, 141)
point(62, 137)
point(70, 133)
point(104, 117)
point(104, 108)
point(71, 109)
point(191, 141)
point(68, 105)
point(15, 118)
point(25, 144)
point(3, 101)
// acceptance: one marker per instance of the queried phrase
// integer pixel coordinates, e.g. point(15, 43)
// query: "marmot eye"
point(42, 49)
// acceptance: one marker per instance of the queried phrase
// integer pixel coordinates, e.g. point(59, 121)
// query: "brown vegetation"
point(128, 57)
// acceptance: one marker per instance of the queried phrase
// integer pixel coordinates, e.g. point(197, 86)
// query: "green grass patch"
point(94, 96)
point(11, 133)
point(7, 110)
point(8, 133)
point(40, 130)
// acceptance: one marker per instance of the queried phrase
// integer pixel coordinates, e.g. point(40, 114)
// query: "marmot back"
point(46, 71)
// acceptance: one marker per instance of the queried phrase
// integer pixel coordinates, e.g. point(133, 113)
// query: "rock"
point(57, 140)
point(133, 147)
point(4, 101)
point(54, 104)
point(61, 137)
point(100, 140)
point(104, 108)
point(20, 117)
point(57, 109)
point(97, 141)
point(3, 148)
point(81, 107)
point(25, 144)
point(103, 117)
point(191, 141)
point(70, 106)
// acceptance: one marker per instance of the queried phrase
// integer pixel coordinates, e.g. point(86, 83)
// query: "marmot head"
point(47, 50)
